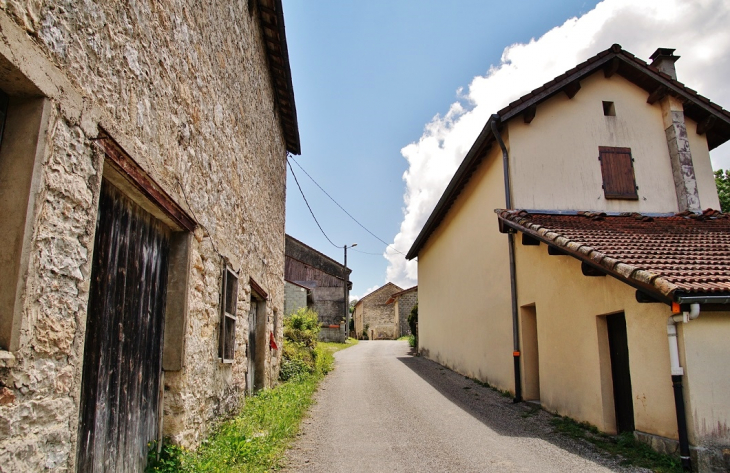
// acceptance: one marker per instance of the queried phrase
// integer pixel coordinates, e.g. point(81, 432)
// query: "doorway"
point(620, 372)
point(251, 355)
point(530, 354)
point(122, 363)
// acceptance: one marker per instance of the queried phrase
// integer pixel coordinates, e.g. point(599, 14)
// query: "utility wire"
point(348, 213)
point(310, 208)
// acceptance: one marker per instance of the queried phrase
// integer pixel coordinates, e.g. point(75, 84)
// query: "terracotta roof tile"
point(685, 253)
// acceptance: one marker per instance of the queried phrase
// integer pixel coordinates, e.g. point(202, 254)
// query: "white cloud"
point(365, 293)
point(697, 29)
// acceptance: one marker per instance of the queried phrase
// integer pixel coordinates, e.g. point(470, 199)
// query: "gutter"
point(512, 277)
point(677, 375)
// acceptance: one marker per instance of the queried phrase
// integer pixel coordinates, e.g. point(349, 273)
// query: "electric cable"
point(310, 208)
point(342, 208)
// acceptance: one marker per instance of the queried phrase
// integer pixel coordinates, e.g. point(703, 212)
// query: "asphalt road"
point(384, 410)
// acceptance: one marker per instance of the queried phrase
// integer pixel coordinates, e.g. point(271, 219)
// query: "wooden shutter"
point(617, 168)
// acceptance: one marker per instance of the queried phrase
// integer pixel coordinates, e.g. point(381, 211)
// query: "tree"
point(353, 302)
point(722, 181)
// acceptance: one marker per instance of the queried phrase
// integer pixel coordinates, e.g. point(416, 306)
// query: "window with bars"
point(617, 169)
point(229, 302)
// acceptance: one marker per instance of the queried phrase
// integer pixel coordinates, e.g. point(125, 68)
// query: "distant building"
point(375, 318)
point(317, 281)
point(403, 303)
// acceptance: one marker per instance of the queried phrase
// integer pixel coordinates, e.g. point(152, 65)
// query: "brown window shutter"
point(617, 168)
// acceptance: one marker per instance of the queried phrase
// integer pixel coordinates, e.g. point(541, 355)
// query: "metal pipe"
point(677, 374)
point(513, 280)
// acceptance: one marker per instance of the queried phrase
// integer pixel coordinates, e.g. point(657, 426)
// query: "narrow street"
point(383, 409)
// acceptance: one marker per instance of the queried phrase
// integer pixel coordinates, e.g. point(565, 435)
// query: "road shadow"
point(504, 417)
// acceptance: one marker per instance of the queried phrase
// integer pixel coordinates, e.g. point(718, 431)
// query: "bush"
point(302, 327)
point(299, 353)
point(413, 319)
point(412, 340)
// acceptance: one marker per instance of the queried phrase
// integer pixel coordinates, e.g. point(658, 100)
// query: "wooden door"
point(251, 348)
point(120, 392)
point(622, 395)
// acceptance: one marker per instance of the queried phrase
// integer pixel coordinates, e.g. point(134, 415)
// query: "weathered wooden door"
point(251, 349)
point(622, 394)
point(120, 393)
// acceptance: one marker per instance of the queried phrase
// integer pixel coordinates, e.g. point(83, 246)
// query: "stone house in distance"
point(374, 315)
point(403, 303)
point(142, 193)
point(600, 289)
point(315, 280)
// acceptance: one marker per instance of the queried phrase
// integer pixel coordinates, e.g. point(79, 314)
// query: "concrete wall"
point(704, 350)
point(184, 88)
point(554, 160)
point(464, 310)
point(295, 297)
point(571, 331)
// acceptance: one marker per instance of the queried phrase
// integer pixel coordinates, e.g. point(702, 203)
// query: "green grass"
point(257, 438)
point(624, 445)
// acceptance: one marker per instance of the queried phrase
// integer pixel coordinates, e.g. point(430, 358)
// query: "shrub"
point(412, 340)
point(413, 319)
point(302, 327)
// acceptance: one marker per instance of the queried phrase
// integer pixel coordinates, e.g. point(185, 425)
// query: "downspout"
point(512, 278)
point(677, 374)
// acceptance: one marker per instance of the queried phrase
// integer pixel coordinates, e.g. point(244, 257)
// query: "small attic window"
point(609, 109)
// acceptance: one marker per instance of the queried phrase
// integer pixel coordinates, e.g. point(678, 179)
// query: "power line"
point(336, 203)
point(310, 208)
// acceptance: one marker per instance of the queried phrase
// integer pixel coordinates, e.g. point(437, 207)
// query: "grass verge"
point(624, 445)
point(257, 438)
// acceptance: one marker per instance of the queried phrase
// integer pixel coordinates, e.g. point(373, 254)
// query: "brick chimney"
point(664, 59)
point(675, 129)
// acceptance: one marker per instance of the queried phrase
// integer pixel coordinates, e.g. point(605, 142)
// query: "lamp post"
point(347, 293)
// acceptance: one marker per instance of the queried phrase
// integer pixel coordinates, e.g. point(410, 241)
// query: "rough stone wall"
point(405, 305)
point(184, 87)
point(378, 315)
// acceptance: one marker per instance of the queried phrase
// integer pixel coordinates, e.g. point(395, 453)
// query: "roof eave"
point(277, 54)
point(461, 177)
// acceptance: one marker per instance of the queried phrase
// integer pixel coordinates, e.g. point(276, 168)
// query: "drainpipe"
point(677, 374)
point(512, 279)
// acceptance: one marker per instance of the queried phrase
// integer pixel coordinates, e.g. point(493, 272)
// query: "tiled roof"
point(669, 255)
point(613, 60)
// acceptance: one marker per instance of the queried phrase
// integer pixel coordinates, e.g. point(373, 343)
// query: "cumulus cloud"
point(697, 29)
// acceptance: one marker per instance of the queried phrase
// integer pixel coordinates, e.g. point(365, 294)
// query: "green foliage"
point(302, 327)
point(365, 335)
point(413, 324)
point(412, 341)
point(722, 181)
point(256, 439)
point(625, 445)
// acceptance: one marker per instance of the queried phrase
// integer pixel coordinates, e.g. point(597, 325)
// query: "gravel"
point(383, 409)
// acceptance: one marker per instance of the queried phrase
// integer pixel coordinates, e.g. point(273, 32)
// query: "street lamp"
point(347, 293)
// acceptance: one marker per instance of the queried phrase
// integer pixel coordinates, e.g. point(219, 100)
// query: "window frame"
point(229, 316)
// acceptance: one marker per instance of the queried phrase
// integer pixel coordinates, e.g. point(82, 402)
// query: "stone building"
point(403, 302)
point(375, 318)
point(315, 280)
point(142, 193)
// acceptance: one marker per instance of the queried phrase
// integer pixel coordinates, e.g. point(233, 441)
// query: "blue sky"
point(382, 88)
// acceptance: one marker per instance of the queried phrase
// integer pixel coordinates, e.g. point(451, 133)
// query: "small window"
point(609, 109)
point(617, 168)
point(229, 302)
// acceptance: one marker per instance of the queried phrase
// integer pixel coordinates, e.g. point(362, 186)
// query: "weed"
point(624, 445)
point(531, 412)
